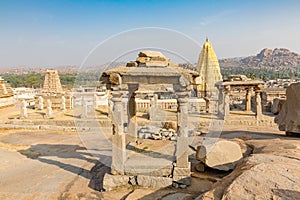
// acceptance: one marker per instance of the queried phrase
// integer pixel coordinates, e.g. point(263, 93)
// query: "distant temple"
point(52, 82)
point(209, 71)
point(6, 94)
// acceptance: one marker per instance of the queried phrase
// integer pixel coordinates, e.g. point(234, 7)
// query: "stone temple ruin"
point(150, 68)
point(52, 82)
point(6, 94)
point(209, 74)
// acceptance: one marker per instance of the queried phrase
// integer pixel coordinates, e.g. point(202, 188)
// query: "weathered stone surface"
point(222, 155)
point(52, 82)
point(178, 171)
point(200, 167)
point(177, 196)
point(152, 181)
point(277, 105)
point(184, 180)
point(272, 172)
point(112, 181)
point(289, 117)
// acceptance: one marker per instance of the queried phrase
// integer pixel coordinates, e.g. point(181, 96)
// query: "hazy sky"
point(63, 32)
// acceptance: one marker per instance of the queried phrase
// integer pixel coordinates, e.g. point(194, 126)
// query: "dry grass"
point(11, 147)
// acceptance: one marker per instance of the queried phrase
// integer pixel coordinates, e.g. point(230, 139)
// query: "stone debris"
point(165, 134)
point(222, 155)
point(151, 59)
point(289, 117)
point(112, 181)
point(153, 181)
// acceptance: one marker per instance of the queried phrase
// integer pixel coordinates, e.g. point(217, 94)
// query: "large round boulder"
point(221, 155)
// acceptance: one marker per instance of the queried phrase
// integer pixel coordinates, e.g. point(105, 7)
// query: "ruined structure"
point(149, 68)
point(52, 82)
point(243, 86)
point(209, 71)
point(269, 95)
point(6, 94)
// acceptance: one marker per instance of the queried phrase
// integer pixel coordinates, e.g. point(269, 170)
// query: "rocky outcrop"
point(276, 58)
point(288, 119)
point(223, 155)
point(272, 172)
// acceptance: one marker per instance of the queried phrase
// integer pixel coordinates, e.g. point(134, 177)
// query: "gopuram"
point(209, 74)
point(52, 96)
point(149, 69)
point(6, 94)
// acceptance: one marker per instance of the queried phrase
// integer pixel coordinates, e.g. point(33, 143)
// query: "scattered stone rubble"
point(157, 133)
point(165, 134)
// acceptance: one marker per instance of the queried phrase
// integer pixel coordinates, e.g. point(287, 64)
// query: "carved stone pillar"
point(49, 108)
point(248, 98)
point(131, 112)
point(227, 101)
point(23, 109)
point(258, 105)
point(221, 97)
point(181, 172)
point(118, 137)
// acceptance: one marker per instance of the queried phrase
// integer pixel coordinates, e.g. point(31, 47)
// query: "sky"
point(44, 33)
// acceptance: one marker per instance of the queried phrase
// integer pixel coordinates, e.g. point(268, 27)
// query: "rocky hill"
point(276, 58)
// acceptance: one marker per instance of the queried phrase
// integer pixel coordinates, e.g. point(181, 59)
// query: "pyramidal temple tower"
point(6, 94)
point(52, 82)
point(209, 71)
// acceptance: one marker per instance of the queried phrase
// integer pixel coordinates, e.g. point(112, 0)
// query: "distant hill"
point(267, 58)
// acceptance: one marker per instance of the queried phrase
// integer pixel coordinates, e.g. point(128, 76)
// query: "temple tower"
point(52, 82)
point(6, 94)
point(209, 71)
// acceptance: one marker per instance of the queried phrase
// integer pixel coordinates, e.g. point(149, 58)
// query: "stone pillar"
point(49, 108)
point(227, 101)
point(118, 137)
point(84, 113)
point(95, 101)
point(248, 98)
point(63, 103)
point(258, 105)
point(131, 112)
point(23, 109)
point(181, 173)
point(40, 105)
point(221, 101)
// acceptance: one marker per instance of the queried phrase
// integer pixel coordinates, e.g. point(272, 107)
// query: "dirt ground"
point(56, 165)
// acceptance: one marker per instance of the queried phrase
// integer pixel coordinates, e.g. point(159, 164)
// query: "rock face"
point(223, 155)
point(289, 116)
point(272, 172)
point(278, 57)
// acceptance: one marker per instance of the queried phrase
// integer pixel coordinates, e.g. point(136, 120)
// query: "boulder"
point(277, 105)
point(222, 155)
point(112, 181)
point(153, 181)
point(288, 119)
